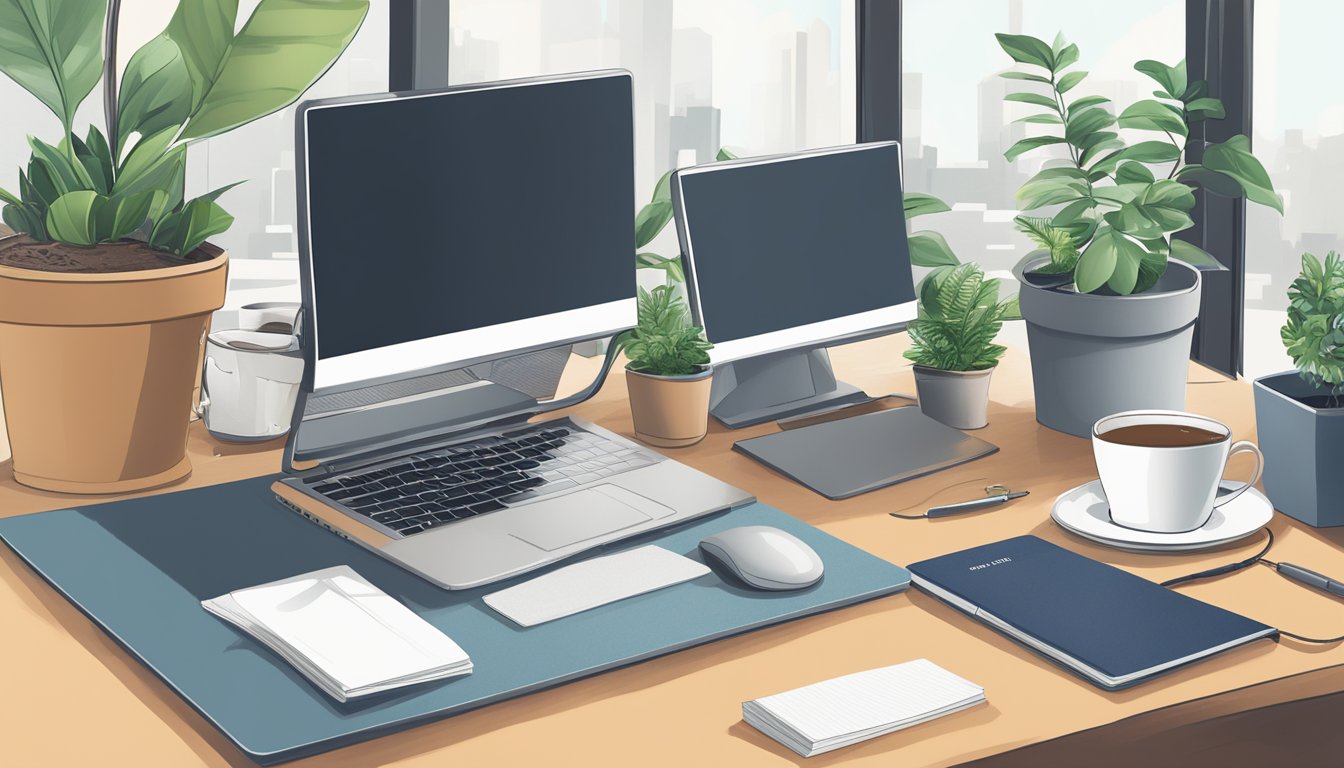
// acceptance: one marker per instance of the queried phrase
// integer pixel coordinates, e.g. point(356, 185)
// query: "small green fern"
point(665, 343)
point(1314, 333)
point(959, 316)
point(1055, 240)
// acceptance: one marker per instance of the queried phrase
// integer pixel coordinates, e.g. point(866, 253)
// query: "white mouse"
point(765, 557)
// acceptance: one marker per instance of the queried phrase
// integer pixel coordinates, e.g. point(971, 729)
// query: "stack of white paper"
point(344, 634)
point(847, 710)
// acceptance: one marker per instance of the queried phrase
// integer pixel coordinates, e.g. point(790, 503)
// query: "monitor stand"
point(777, 386)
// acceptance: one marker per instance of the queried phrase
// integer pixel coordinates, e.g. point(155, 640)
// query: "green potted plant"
point(1299, 414)
point(107, 287)
point(1110, 299)
point(953, 345)
point(668, 374)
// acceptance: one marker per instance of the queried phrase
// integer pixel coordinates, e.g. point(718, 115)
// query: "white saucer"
point(1083, 510)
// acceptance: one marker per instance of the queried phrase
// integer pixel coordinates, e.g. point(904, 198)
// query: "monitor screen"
point(795, 249)
point(458, 226)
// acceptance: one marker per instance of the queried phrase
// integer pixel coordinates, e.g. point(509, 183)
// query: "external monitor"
point(786, 255)
point(444, 233)
point(445, 228)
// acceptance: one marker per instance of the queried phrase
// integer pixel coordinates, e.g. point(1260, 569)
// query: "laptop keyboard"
point(416, 493)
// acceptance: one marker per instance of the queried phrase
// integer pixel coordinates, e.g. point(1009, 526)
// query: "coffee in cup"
point(1161, 470)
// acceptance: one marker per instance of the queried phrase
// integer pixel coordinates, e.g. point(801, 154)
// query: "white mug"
point(1166, 489)
point(250, 384)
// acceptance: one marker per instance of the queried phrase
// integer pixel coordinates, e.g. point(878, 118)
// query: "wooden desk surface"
point(72, 697)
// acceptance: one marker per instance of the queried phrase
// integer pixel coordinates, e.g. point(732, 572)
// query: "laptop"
point(449, 242)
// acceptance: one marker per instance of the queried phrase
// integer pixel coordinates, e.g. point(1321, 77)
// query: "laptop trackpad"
point(559, 522)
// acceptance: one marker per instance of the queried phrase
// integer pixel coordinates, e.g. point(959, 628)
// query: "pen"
point(971, 506)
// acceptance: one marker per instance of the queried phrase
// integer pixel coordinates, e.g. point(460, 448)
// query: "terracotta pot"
point(669, 411)
point(959, 399)
point(98, 371)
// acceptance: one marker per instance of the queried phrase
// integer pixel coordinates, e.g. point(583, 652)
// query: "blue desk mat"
point(140, 567)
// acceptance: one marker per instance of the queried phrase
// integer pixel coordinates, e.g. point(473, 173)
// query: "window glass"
point(1297, 120)
point(756, 76)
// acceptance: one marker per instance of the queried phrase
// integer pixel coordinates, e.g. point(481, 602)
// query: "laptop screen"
point(455, 227)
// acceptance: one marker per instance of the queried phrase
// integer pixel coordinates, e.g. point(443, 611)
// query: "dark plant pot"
point(1092, 356)
point(1303, 447)
point(959, 399)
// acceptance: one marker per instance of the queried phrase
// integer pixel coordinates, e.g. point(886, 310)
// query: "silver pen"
point(974, 504)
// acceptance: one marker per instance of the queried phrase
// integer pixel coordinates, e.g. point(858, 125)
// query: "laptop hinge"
point(347, 463)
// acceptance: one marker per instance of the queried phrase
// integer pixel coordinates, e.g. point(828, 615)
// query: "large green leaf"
point(930, 249)
point(1011, 75)
point(1205, 109)
point(670, 265)
point(1026, 97)
point(120, 216)
point(663, 189)
point(1110, 259)
point(280, 52)
point(68, 174)
point(1195, 256)
point(1217, 182)
point(1133, 173)
point(152, 166)
point(203, 32)
point(1233, 158)
point(1151, 152)
point(1027, 50)
point(1047, 118)
point(1150, 115)
point(1152, 265)
point(183, 230)
point(1051, 186)
point(1067, 82)
point(1026, 145)
point(920, 204)
point(650, 221)
point(73, 218)
point(1172, 79)
point(155, 92)
point(1083, 124)
point(1087, 101)
point(1162, 207)
point(53, 49)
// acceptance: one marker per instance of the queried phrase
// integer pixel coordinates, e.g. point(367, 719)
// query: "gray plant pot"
point(959, 399)
point(1304, 450)
point(1092, 356)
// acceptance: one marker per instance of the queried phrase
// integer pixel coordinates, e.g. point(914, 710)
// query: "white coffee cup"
point(1166, 488)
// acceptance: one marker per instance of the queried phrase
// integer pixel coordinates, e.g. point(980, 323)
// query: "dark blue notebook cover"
point(1113, 621)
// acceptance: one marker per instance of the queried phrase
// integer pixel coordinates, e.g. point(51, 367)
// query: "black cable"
point(1320, 641)
point(1219, 571)
point(909, 517)
point(1248, 562)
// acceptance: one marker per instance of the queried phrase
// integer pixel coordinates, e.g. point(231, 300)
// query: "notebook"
point(593, 583)
point(847, 710)
point(857, 454)
point(342, 633)
point(1111, 627)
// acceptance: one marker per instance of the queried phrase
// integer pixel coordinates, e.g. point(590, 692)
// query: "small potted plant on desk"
point(668, 374)
point(1299, 414)
point(1110, 299)
point(953, 344)
point(107, 287)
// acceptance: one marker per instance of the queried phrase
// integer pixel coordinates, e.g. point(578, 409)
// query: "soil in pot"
point(123, 256)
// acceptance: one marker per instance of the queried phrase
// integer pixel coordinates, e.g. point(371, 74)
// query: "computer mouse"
point(765, 557)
